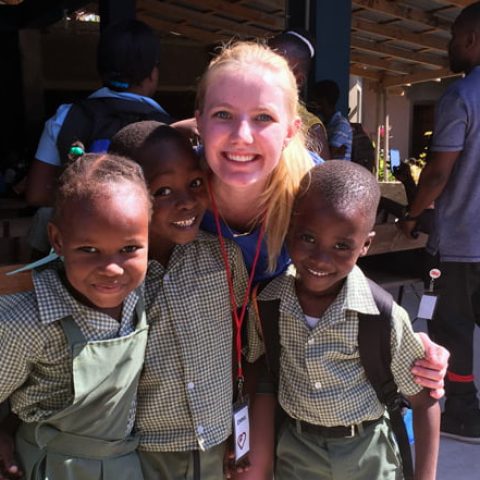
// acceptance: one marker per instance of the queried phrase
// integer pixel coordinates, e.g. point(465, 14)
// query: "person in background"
point(127, 62)
point(450, 179)
point(297, 47)
point(325, 95)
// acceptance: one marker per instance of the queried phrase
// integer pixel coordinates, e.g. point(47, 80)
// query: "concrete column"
point(330, 23)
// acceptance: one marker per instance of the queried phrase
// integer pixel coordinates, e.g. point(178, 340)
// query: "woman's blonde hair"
point(277, 200)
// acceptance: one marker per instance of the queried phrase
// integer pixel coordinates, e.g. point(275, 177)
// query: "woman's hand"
point(430, 371)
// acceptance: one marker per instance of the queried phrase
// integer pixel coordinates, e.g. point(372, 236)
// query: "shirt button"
point(166, 277)
point(200, 430)
point(311, 341)
point(318, 385)
point(190, 385)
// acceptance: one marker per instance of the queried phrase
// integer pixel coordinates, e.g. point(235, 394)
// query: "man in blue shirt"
point(325, 96)
point(450, 178)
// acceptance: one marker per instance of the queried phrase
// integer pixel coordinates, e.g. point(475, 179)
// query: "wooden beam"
point(403, 12)
point(190, 32)
point(361, 72)
point(378, 62)
point(196, 18)
point(401, 53)
point(457, 3)
point(241, 11)
point(418, 77)
point(397, 33)
point(271, 5)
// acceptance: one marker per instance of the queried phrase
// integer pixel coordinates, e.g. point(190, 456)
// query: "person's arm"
point(426, 426)
point(433, 179)
point(41, 183)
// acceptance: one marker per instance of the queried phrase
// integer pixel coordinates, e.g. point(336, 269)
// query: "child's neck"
point(114, 312)
point(238, 206)
point(160, 250)
point(315, 304)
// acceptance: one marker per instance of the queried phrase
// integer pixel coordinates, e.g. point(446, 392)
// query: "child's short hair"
point(88, 175)
point(130, 140)
point(127, 53)
point(328, 90)
point(343, 185)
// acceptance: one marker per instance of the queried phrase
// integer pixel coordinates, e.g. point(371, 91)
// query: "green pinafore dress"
point(87, 440)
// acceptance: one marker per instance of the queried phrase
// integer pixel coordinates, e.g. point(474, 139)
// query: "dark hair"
point(87, 176)
point(344, 186)
point(127, 53)
point(328, 90)
point(132, 139)
point(469, 17)
point(297, 43)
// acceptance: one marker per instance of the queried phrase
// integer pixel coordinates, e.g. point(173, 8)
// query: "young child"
point(322, 384)
point(184, 411)
point(71, 350)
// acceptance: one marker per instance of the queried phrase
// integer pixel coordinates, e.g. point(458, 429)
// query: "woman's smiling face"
point(244, 124)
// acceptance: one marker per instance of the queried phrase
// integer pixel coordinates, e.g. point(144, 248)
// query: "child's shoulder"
point(19, 310)
point(278, 287)
point(211, 243)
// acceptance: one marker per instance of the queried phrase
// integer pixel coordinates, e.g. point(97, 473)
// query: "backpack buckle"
point(352, 432)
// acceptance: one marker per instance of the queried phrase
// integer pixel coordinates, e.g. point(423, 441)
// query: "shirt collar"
point(355, 294)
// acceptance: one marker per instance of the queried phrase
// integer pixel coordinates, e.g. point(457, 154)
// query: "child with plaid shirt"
point(322, 385)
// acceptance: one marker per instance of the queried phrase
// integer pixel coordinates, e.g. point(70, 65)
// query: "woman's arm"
point(430, 371)
point(426, 425)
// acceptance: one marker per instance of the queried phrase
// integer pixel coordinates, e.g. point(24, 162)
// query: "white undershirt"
point(311, 321)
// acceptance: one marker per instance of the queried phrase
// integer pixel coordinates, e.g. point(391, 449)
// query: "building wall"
point(400, 110)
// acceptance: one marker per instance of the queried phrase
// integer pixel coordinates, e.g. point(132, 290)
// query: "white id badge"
point(427, 306)
point(241, 430)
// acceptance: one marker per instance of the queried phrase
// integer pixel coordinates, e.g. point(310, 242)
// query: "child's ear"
point(55, 237)
point(292, 130)
point(366, 245)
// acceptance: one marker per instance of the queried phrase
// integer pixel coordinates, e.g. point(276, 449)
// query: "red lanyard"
point(237, 318)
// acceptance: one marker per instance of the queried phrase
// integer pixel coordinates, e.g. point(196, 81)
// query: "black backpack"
point(94, 121)
point(375, 355)
point(363, 151)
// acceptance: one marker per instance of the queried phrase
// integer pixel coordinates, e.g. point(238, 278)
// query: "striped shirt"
point(322, 380)
point(340, 134)
point(35, 361)
point(185, 393)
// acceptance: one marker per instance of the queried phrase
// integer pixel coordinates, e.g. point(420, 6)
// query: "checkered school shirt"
point(185, 392)
point(35, 361)
point(322, 380)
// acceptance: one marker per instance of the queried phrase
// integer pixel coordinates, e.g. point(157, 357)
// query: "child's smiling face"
point(104, 242)
point(325, 244)
point(177, 184)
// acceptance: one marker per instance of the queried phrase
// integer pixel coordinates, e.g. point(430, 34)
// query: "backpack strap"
point(374, 333)
point(93, 119)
